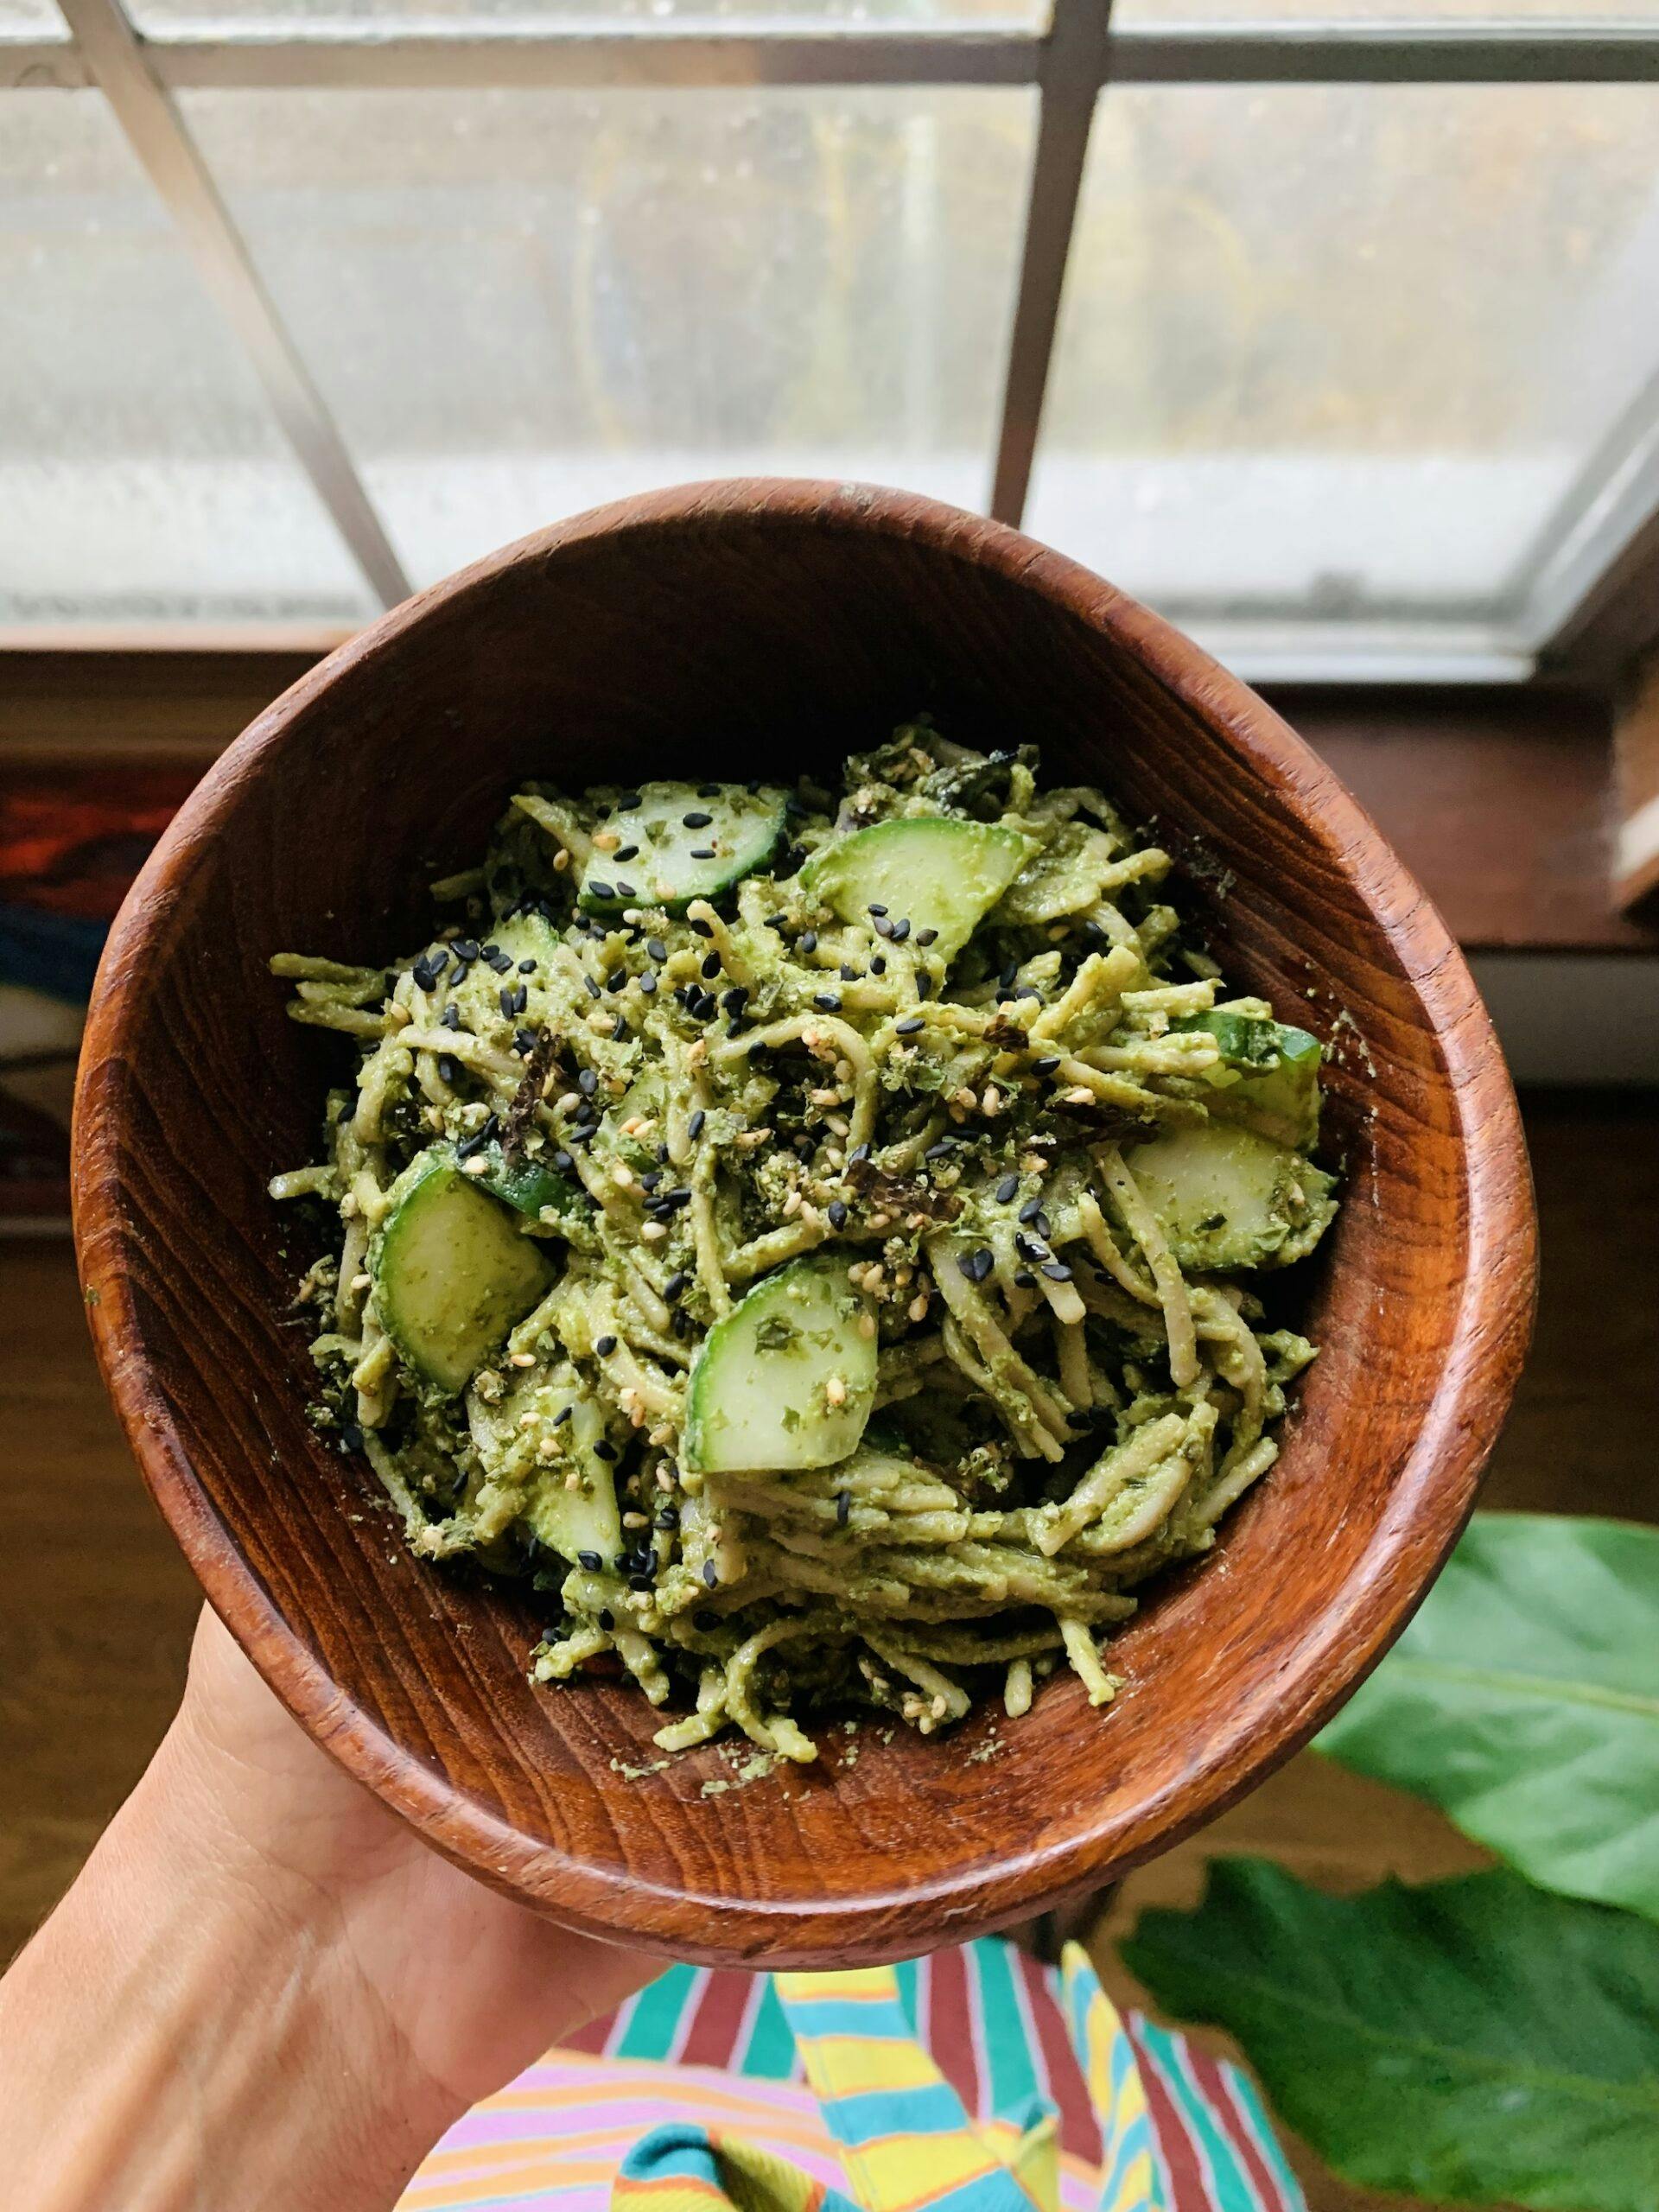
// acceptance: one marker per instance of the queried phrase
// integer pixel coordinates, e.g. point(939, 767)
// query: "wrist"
point(221, 2031)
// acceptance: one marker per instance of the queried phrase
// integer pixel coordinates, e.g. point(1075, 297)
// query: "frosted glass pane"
point(140, 475)
point(1462, 14)
point(521, 303)
point(600, 15)
point(1340, 351)
point(30, 15)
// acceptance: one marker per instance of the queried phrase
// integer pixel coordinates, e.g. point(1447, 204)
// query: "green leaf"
point(1524, 1701)
point(1473, 2040)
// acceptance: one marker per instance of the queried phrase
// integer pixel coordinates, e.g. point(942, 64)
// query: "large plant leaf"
point(1475, 2039)
point(1524, 1700)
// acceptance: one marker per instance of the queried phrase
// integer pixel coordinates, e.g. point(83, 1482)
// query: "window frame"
point(1585, 594)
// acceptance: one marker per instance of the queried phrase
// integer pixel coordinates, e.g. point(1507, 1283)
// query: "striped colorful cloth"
point(977, 2081)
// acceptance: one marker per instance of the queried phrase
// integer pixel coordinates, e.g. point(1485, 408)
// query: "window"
point(1336, 338)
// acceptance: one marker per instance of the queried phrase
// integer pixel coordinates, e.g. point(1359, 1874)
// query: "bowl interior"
point(730, 635)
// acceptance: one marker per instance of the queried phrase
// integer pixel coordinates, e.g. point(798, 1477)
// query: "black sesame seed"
point(900, 932)
point(942, 1150)
point(668, 1518)
point(526, 967)
point(651, 1178)
point(562, 1416)
point(924, 987)
point(693, 1127)
point(711, 967)
point(1056, 1271)
point(736, 999)
point(351, 1436)
point(883, 926)
point(836, 1210)
point(1047, 1066)
point(604, 1346)
point(1041, 1223)
point(827, 1002)
point(775, 922)
point(587, 1081)
point(709, 791)
point(1005, 1189)
point(524, 1041)
point(479, 1140)
point(809, 941)
point(648, 983)
point(644, 1579)
point(448, 1067)
point(600, 890)
point(626, 890)
point(859, 1152)
point(843, 1508)
point(655, 948)
point(873, 909)
point(710, 1574)
point(465, 947)
point(675, 1286)
point(976, 1265)
point(619, 1028)
point(909, 1025)
point(878, 965)
point(662, 1155)
point(703, 852)
point(450, 1018)
point(1031, 1209)
point(617, 980)
point(507, 998)
point(627, 853)
point(591, 1560)
point(927, 937)
point(501, 961)
point(696, 820)
point(1025, 1279)
point(607, 1619)
point(592, 987)
point(562, 1162)
point(1006, 979)
point(848, 973)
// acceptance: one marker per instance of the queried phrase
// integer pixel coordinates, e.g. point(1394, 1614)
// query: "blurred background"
point(1334, 335)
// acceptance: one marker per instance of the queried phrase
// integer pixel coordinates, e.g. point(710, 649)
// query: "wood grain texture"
point(731, 629)
point(1500, 801)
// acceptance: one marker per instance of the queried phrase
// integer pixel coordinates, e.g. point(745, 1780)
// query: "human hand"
point(264, 1989)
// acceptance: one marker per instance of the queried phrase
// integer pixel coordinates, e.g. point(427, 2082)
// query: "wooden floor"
point(96, 1606)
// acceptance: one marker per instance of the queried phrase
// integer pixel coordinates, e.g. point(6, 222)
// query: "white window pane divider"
point(1613, 506)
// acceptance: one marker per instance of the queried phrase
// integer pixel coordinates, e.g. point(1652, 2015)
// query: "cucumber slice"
point(530, 1186)
point(727, 837)
point(1277, 1093)
point(939, 874)
point(451, 1273)
point(526, 936)
point(1227, 1198)
point(785, 1380)
point(567, 1520)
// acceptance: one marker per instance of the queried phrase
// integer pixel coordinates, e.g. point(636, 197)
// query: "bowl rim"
point(1433, 1491)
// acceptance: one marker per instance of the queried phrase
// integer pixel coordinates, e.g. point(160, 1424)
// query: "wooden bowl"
point(727, 630)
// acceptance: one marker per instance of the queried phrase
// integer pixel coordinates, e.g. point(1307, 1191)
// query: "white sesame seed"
point(654, 1231)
